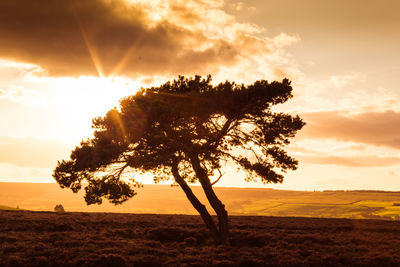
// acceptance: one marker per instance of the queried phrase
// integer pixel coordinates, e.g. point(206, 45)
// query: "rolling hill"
point(164, 199)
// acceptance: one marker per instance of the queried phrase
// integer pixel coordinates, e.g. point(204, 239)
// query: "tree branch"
point(221, 134)
point(220, 175)
point(118, 172)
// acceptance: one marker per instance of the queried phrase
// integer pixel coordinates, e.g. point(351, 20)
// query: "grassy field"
point(114, 239)
point(7, 208)
point(163, 199)
point(371, 207)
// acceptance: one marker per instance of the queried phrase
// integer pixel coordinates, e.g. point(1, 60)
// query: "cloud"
point(10, 70)
point(22, 95)
point(351, 92)
point(239, 6)
point(284, 39)
point(32, 152)
point(131, 38)
point(13, 173)
point(351, 161)
point(374, 128)
point(138, 38)
point(86, 37)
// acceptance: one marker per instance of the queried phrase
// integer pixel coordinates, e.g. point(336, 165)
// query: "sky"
point(63, 63)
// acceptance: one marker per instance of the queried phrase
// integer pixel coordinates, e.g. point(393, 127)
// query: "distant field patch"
point(164, 199)
point(360, 209)
point(7, 208)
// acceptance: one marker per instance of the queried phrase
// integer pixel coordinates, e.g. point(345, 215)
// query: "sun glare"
point(97, 95)
point(84, 98)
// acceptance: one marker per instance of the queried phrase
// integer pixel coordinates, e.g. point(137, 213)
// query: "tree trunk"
point(216, 204)
point(205, 215)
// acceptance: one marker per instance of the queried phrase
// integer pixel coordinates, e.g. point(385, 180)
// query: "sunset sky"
point(64, 62)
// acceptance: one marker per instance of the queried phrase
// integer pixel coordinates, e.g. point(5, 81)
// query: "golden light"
point(84, 98)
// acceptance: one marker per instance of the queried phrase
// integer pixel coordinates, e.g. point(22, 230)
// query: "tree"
point(187, 130)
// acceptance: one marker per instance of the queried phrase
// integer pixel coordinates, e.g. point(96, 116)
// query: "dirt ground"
point(114, 239)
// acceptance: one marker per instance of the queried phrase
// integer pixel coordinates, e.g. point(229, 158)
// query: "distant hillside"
point(165, 199)
point(7, 208)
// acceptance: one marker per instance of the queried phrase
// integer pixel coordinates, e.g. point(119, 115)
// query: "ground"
point(117, 239)
point(164, 199)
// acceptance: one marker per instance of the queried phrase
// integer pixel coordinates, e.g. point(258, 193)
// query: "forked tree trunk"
point(216, 204)
point(220, 234)
point(201, 209)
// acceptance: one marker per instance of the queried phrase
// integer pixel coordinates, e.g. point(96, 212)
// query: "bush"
point(59, 208)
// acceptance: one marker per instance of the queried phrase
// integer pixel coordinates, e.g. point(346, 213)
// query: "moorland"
point(31, 238)
point(164, 199)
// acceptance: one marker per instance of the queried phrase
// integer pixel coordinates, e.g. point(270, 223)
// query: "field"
point(333, 204)
point(268, 228)
point(163, 199)
point(115, 239)
point(7, 208)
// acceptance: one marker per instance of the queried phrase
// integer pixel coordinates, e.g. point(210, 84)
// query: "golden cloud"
point(374, 128)
point(81, 37)
point(370, 161)
point(22, 95)
point(138, 38)
point(115, 37)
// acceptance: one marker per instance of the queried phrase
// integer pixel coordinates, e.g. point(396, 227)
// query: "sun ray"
point(124, 60)
point(121, 64)
point(91, 48)
point(121, 125)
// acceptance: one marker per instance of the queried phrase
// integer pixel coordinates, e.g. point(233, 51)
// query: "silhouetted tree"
point(186, 130)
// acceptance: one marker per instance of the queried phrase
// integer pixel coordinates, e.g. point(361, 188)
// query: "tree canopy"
point(185, 130)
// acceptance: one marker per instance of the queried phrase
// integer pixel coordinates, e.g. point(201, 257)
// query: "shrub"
point(59, 208)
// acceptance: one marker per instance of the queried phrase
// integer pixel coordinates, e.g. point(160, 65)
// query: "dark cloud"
point(70, 37)
point(352, 161)
point(375, 128)
point(32, 152)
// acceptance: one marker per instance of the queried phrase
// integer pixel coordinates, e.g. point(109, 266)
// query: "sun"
point(81, 99)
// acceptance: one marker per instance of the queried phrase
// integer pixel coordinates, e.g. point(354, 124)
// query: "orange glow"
point(91, 49)
point(62, 64)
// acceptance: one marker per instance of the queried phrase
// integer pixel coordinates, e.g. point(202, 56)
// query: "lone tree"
point(186, 130)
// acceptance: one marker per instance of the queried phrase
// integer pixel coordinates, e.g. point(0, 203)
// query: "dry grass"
point(162, 199)
point(2, 207)
point(112, 239)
